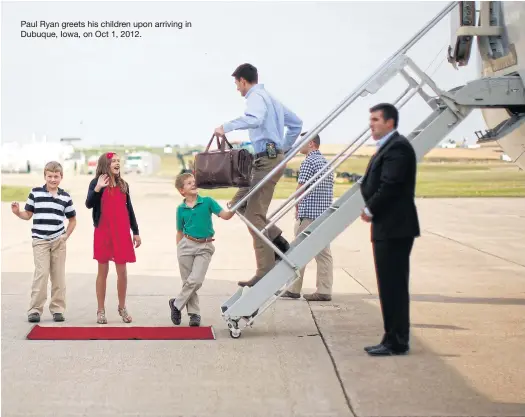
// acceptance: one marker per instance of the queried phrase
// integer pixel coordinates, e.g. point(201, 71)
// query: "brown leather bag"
point(223, 168)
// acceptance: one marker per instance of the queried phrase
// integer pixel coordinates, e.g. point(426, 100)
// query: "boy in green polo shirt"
point(194, 245)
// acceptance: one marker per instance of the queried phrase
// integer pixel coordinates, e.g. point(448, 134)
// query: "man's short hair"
point(54, 166)
point(316, 139)
point(389, 112)
point(248, 72)
point(179, 181)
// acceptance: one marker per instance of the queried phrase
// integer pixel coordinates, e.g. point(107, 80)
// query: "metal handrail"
point(346, 102)
point(265, 239)
point(306, 184)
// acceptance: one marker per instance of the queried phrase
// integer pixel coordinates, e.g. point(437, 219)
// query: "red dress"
point(113, 241)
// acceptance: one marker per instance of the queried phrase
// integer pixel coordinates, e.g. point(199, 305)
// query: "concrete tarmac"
point(300, 358)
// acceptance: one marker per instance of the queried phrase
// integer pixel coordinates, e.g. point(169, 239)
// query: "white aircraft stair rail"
point(400, 102)
point(246, 305)
point(449, 110)
point(341, 157)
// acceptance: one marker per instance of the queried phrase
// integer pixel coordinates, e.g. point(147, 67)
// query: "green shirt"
point(196, 221)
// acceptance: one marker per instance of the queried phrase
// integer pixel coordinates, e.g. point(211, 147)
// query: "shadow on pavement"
point(422, 383)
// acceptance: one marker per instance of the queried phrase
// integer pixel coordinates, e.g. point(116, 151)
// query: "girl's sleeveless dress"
point(113, 241)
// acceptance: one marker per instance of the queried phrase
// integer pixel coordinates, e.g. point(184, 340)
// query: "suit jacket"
point(388, 188)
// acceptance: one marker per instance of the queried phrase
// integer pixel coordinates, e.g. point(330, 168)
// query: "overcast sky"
point(175, 86)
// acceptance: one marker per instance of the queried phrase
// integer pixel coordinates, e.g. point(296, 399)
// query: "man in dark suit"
point(388, 189)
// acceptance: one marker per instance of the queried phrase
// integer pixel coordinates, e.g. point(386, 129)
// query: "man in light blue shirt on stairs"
point(265, 118)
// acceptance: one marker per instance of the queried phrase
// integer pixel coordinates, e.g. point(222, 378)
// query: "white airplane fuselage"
point(512, 144)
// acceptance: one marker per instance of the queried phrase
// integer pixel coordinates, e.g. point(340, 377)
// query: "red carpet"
point(121, 333)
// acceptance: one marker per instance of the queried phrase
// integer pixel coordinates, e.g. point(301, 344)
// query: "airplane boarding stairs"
point(449, 109)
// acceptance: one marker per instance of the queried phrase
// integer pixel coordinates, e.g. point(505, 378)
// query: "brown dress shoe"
point(249, 283)
point(317, 297)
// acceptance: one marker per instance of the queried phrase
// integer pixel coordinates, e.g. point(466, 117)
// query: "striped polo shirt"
point(49, 212)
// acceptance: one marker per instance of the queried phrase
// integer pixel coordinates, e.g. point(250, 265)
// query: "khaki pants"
point(50, 259)
point(325, 267)
point(194, 259)
point(256, 208)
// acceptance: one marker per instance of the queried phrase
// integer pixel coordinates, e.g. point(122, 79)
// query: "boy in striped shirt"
point(47, 206)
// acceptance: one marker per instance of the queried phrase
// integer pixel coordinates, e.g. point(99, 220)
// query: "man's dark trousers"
point(392, 263)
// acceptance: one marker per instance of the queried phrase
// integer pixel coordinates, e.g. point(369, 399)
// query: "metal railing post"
point(265, 239)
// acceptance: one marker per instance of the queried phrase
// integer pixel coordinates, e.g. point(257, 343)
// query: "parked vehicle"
point(146, 163)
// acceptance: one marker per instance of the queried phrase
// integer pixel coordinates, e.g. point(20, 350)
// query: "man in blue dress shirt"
point(266, 118)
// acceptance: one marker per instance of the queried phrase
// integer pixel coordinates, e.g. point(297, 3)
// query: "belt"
point(263, 154)
point(206, 240)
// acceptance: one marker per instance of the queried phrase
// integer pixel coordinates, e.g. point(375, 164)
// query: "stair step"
point(502, 129)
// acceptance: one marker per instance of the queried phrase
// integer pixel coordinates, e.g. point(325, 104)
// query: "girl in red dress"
point(113, 217)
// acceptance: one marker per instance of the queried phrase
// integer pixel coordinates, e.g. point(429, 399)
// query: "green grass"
point(169, 165)
point(435, 179)
point(284, 189)
point(473, 184)
point(14, 193)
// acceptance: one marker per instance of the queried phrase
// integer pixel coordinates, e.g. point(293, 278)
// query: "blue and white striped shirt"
point(266, 117)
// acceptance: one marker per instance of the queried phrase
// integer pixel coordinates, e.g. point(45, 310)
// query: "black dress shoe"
point(387, 351)
point(369, 348)
point(381, 343)
point(282, 244)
